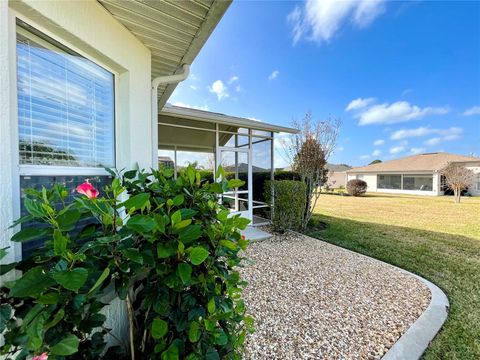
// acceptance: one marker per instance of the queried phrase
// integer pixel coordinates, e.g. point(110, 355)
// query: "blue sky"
point(403, 77)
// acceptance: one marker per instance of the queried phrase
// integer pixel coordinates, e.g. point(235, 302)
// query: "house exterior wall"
point(474, 189)
point(370, 179)
point(86, 27)
point(336, 179)
point(372, 186)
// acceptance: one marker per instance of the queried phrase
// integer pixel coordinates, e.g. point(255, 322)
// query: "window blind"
point(65, 105)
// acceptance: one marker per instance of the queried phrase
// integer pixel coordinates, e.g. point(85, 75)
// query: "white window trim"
point(51, 170)
point(45, 170)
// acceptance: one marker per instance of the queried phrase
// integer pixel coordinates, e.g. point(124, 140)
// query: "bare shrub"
point(457, 178)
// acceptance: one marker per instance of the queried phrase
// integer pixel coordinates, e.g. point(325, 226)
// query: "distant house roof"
point(337, 167)
point(421, 162)
point(165, 158)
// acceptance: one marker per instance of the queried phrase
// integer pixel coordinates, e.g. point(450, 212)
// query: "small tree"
point(308, 152)
point(457, 178)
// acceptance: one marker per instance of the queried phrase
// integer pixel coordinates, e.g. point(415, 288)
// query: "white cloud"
point(379, 142)
point(396, 112)
point(376, 152)
point(238, 88)
point(474, 110)
point(451, 136)
point(219, 88)
point(364, 157)
point(417, 150)
point(233, 79)
point(319, 20)
point(202, 107)
point(193, 87)
point(273, 75)
point(424, 131)
point(397, 149)
point(255, 119)
point(359, 103)
point(339, 148)
point(193, 76)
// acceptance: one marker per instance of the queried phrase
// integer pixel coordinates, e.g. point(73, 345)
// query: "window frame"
point(47, 170)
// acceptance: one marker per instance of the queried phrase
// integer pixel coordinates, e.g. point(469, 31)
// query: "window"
point(389, 182)
point(65, 116)
point(418, 182)
point(65, 105)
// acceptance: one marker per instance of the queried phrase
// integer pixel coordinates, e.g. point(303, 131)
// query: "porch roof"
point(213, 117)
point(174, 31)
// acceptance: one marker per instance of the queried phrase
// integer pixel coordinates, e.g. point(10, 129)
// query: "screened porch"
point(244, 148)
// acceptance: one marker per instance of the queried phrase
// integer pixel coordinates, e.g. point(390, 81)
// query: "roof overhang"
point(212, 117)
point(173, 31)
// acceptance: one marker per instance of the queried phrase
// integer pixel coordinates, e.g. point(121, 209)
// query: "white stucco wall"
point(86, 27)
point(370, 179)
point(475, 167)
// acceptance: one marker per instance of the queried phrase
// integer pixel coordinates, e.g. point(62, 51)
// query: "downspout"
point(161, 80)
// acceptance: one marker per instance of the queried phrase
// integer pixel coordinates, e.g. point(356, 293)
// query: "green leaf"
point(28, 234)
point(211, 306)
point(194, 332)
point(242, 222)
point(7, 267)
point(198, 255)
point(176, 217)
point(67, 346)
point(34, 208)
point(34, 331)
point(71, 279)
point(212, 354)
point(32, 283)
point(56, 319)
point(190, 172)
point(136, 202)
point(178, 200)
point(235, 183)
point(159, 328)
point(100, 279)
point(228, 244)
point(182, 224)
point(220, 338)
point(48, 298)
point(59, 242)
point(134, 255)
point(223, 215)
point(5, 315)
point(166, 250)
point(68, 219)
point(188, 213)
point(185, 272)
point(141, 223)
point(173, 351)
point(190, 233)
point(3, 252)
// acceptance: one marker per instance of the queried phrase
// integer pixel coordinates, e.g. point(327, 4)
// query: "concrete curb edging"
point(412, 344)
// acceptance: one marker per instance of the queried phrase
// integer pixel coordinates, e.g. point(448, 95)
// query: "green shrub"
point(356, 187)
point(170, 250)
point(287, 198)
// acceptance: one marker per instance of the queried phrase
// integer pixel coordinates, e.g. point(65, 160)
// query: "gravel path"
point(313, 300)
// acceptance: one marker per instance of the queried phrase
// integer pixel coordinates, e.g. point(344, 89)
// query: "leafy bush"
point(356, 187)
point(287, 198)
point(169, 250)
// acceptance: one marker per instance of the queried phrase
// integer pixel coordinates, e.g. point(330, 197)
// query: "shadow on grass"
point(452, 262)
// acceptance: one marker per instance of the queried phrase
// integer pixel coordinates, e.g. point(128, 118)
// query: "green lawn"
point(432, 237)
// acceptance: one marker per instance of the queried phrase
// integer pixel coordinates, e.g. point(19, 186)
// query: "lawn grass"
point(431, 237)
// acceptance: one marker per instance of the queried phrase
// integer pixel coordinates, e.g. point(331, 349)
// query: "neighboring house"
point(337, 175)
point(416, 174)
point(83, 86)
point(166, 161)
